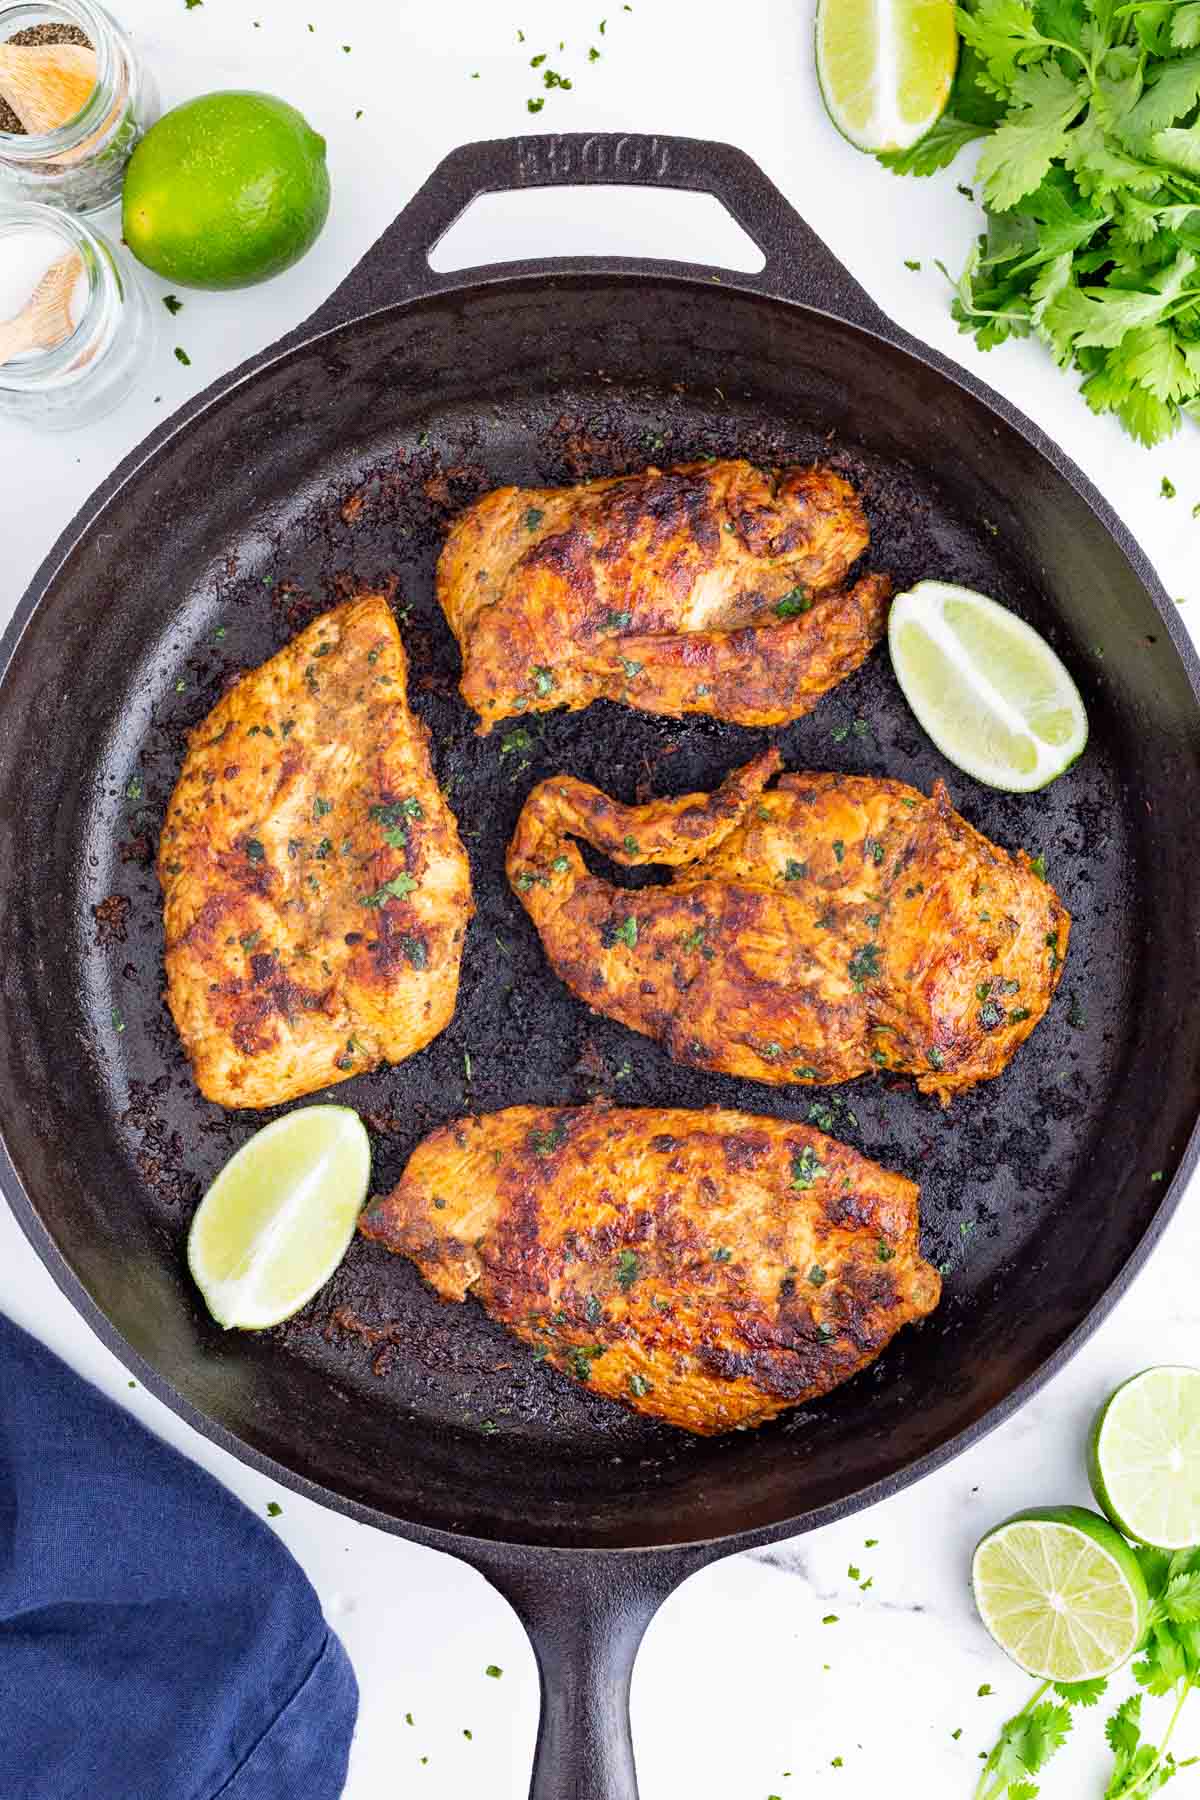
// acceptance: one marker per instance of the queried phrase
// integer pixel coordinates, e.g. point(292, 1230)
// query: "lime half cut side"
point(1061, 1592)
point(279, 1217)
point(1144, 1457)
point(986, 686)
point(885, 68)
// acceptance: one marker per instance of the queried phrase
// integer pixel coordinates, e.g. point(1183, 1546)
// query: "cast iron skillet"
point(331, 462)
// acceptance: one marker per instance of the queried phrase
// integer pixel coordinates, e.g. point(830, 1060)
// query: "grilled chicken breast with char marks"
point(316, 892)
point(812, 932)
point(706, 1268)
point(709, 588)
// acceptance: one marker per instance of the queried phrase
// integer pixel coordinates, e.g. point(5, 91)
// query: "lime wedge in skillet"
point(1061, 1592)
point(1144, 1457)
point(885, 68)
point(277, 1221)
point(988, 689)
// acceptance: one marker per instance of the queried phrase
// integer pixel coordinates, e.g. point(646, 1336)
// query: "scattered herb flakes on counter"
point(172, 303)
point(910, 264)
point(1090, 179)
point(494, 1670)
point(1168, 490)
point(273, 1509)
point(183, 357)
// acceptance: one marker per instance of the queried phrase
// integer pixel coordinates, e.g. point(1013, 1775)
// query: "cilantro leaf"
point(936, 150)
point(1185, 26)
point(1081, 1693)
point(1018, 156)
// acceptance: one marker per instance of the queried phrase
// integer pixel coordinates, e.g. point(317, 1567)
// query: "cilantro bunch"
point(1169, 1664)
point(1090, 178)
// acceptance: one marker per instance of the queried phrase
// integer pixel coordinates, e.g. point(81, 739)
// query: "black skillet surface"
point(332, 464)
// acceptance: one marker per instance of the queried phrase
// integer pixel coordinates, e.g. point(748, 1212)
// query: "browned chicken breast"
point(711, 588)
point(811, 932)
point(316, 891)
point(708, 1268)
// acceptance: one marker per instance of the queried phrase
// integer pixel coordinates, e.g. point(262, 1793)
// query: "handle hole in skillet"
point(596, 221)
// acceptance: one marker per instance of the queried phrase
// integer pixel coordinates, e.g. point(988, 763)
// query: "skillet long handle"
point(798, 265)
point(586, 1614)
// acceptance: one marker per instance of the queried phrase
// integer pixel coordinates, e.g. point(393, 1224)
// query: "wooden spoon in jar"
point(46, 84)
point(45, 319)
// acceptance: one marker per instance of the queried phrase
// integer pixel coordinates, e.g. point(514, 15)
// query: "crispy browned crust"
point(660, 590)
point(304, 792)
point(707, 1268)
point(811, 933)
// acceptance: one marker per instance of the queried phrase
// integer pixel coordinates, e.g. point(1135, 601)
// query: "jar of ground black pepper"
point(77, 163)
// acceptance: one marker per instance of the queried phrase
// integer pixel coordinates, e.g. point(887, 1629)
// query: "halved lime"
point(1061, 1592)
point(276, 1222)
point(988, 688)
point(1144, 1457)
point(885, 68)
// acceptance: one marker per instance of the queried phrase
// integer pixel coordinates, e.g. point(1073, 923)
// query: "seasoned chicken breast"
point(710, 588)
point(316, 892)
point(707, 1268)
point(811, 932)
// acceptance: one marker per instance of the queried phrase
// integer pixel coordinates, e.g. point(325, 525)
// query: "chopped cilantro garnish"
point(617, 621)
point(864, 966)
point(817, 1276)
point(545, 1143)
point(395, 889)
point(793, 870)
point(639, 1387)
point(839, 849)
point(254, 850)
point(628, 1269)
point(806, 1167)
point(722, 1255)
point(795, 601)
point(533, 518)
point(631, 668)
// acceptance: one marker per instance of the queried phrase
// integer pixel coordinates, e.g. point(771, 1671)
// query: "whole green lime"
point(226, 190)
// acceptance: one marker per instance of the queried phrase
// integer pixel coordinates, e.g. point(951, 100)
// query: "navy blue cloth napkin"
point(157, 1641)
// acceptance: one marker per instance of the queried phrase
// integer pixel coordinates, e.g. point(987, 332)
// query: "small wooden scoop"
point(45, 320)
point(46, 84)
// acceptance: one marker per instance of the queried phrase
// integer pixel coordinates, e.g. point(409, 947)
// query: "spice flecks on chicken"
point(707, 1268)
point(316, 892)
point(709, 588)
point(812, 932)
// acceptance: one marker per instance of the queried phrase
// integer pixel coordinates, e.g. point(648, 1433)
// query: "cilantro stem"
point(1139, 1786)
point(1000, 1782)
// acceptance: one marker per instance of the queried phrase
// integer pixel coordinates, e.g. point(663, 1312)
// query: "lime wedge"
point(988, 689)
point(1061, 1592)
point(276, 1222)
point(885, 68)
point(1144, 1457)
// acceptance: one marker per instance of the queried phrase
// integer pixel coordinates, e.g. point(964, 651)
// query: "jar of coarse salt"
point(74, 101)
point(75, 329)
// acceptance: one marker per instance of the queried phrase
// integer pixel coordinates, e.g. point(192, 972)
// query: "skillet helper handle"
point(798, 265)
point(586, 1614)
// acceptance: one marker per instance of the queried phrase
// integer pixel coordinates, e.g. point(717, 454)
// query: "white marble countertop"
point(741, 1647)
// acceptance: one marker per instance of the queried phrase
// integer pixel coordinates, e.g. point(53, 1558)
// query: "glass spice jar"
point(111, 330)
point(80, 165)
